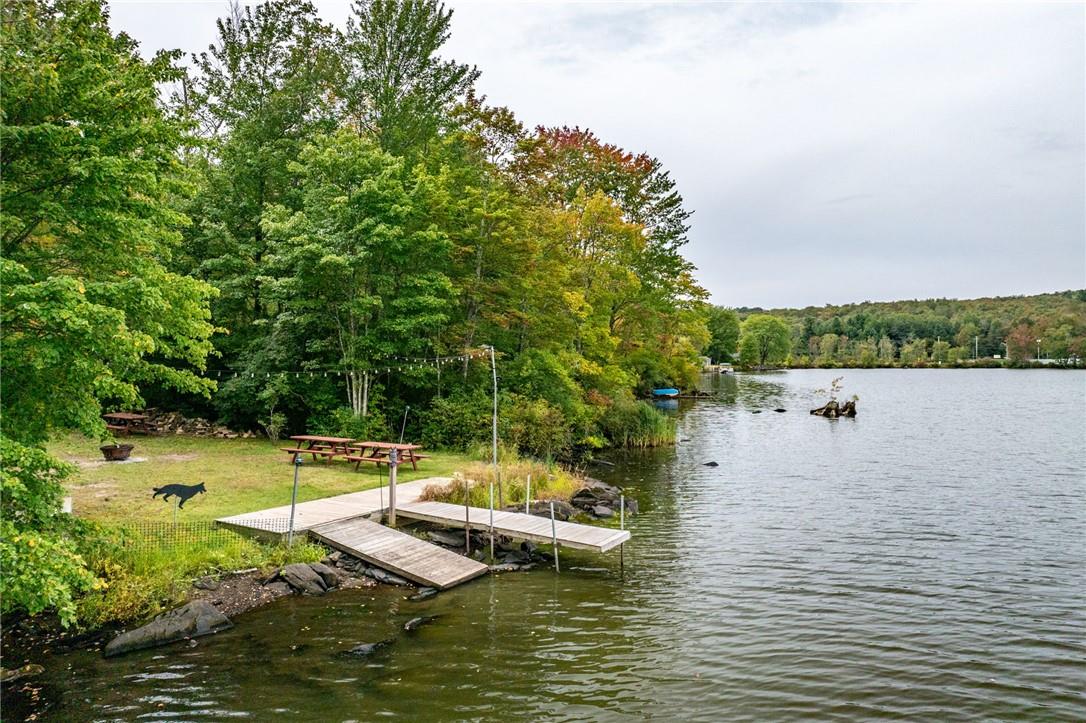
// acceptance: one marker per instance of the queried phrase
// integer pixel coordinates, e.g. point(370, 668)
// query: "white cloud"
point(831, 152)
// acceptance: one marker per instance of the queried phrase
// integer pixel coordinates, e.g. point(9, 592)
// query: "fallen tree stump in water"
point(833, 410)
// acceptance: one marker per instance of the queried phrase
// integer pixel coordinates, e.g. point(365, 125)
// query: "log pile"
point(833, 410)
point(176, 423)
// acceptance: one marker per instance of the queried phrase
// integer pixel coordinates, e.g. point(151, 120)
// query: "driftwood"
point(833, 410)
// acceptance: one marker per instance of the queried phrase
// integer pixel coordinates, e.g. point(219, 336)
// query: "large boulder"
point(444, 537)
point(192, 620)
point(303, 578)
point(329, 576)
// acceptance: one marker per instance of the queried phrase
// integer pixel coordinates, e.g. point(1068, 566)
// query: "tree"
point(723, 327)
point(360, 267)
point(763, 340)
point(259, 94)
point(398, 89)
point(886, 351)
point(89, 311)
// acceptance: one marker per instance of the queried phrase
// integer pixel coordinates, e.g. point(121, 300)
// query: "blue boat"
point(665, 393)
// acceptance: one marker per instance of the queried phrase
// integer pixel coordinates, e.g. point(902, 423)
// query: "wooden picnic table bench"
point(379, 452)
point(316, 445)
point(129, 422)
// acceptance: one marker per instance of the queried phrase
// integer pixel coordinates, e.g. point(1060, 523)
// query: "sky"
point(831, 153)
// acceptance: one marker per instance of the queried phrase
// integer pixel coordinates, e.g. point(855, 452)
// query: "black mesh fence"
point(140, 537)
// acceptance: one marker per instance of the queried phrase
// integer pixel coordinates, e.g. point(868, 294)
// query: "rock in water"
point(505, 567)
point(711, 464)
point(423, 594)
point(192, 620)
point(780, 409)
point(364, 649)
point(449, 539)
point(603, 511)
point(416, 623)
point(386, 577)
point(303, 578)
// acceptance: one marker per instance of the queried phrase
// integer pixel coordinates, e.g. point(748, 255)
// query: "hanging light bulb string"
point(388, 366)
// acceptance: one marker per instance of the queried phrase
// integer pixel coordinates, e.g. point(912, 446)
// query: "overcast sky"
point(831, 153)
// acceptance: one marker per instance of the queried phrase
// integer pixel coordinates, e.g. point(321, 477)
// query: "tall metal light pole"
point(293, 499)
point(393, 462)
point(494, 429)
point(1038, 349)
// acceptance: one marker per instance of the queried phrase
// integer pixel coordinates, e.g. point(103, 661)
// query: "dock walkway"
point(516, 524)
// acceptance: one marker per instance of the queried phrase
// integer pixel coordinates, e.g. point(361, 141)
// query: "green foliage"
point(763, 340)
point(941, 331)
point(398, 89)
point(536, 428)
point(87, 175)
point(723, 327)
point(458, 422)
point(41, 569)
point(630, 423)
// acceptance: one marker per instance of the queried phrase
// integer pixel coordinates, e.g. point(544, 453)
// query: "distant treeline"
point(934, 331)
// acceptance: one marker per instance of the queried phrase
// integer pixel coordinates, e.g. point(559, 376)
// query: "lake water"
point(926, 560)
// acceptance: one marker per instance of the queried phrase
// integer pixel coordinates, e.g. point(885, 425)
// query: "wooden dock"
point(340, 522)
point(516, 524)
point(398, 552)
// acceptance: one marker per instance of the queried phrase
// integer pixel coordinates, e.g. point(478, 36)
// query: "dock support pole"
point(528, 496)
point(293, 500)
point(621, 526)
point(492, 521)
point(554, 539)
point(467, 516)
point(393, 461)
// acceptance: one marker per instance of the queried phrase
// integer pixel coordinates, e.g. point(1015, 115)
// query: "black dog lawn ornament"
point(183, 493)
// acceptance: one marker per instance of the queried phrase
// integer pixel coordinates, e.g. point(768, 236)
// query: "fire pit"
point(116, 452)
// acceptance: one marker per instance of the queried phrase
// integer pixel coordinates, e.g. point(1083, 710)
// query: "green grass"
point(241, 475)
point(144, 568)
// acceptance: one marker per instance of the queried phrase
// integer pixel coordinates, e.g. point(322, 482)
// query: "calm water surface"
point(926, 560)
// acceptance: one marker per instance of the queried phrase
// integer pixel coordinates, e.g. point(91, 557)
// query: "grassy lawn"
point(241, 475)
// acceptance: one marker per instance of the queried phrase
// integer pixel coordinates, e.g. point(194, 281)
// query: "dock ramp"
point(398, 552)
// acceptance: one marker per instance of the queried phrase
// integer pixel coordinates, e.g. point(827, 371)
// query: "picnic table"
point(317, 445)
point(128, 422)
point(378, 452)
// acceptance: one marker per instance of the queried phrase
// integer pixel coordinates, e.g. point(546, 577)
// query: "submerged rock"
point(424, 593)
point(192, 620)
point(506, 567)
point(416, 623)
point(711, 464)
point(780, 409)
point(385, 576)
point(365, 649)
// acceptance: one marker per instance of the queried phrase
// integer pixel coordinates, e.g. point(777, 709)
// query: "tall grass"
point(549, 482)
point(638, 425)
point(148, 568)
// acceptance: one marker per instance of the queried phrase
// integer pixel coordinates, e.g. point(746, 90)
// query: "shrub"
point(458, 421)
point(629, 423)
point(536, 428)
point(38, 555)
point(343, 422)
